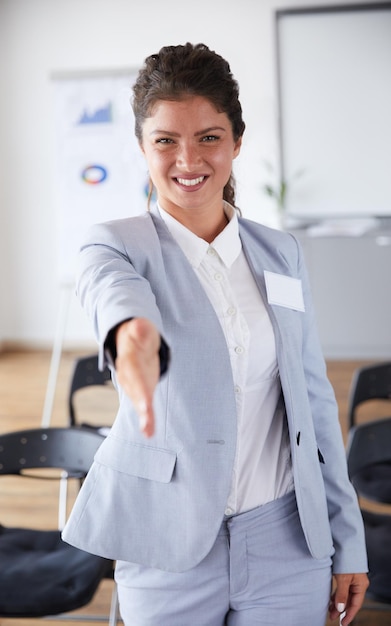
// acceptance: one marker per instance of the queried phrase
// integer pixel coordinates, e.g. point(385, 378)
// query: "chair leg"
point(62, 500)
point(114, 613)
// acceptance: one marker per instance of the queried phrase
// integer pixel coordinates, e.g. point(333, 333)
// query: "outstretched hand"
point(138, 367)
point(348, 596)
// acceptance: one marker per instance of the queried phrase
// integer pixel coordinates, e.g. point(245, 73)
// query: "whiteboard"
point(100, 173)
point(334, 91)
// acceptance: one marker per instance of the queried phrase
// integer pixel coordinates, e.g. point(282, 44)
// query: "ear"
point(141, 147)
point(237, 146)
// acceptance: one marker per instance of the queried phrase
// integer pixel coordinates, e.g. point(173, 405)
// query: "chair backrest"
point(68, 449)
point(41, 575)
point(369, 459)
point(86, 373)
point(369, 383)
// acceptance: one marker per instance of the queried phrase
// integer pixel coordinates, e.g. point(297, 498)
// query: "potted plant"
point(278, 189)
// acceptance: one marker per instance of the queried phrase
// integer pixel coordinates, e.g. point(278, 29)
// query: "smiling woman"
point(227, 438)
point(189, 146)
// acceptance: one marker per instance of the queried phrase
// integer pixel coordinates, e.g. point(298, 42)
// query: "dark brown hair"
point(195, 70)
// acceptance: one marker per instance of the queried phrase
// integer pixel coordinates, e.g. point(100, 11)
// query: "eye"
point(210, 138)
point(164, 140)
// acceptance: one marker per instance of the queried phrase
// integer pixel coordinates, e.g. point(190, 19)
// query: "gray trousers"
point(259, 572)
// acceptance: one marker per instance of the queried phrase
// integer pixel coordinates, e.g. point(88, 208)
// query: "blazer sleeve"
point(110, 287)
point(344, 513)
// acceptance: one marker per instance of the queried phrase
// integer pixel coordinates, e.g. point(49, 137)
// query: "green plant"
point(278, 190)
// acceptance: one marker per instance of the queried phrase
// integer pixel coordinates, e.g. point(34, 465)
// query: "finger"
point(147, 418)
point(341, 595)
point(141, 393)
point(336, 610)
point(352, 609)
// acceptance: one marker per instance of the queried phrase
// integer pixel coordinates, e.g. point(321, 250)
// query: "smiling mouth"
point(191, 182)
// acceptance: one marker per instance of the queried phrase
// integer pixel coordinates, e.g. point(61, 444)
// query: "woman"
point(222, 488)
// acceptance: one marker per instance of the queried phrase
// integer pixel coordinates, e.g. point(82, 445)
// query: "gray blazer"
point(160, 501)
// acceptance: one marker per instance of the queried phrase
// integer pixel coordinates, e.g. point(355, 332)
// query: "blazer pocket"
point(137, 460)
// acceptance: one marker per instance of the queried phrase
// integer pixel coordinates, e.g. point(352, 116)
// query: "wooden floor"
point(23, 382)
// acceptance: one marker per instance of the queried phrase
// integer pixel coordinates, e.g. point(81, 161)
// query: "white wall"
point(39, 37)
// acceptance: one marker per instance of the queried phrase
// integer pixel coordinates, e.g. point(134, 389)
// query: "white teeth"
point(192, 182)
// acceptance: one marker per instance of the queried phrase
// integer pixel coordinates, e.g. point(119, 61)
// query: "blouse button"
point(239, 350)
point(218, 276)
point(231, 311)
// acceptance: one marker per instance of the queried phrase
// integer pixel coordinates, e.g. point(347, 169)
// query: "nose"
point(188, 157)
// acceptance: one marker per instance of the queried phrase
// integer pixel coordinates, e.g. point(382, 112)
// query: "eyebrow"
point(205, 131)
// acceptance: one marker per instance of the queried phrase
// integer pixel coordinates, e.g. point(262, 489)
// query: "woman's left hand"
point(348, 596)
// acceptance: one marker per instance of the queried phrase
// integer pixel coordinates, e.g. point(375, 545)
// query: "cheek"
point(157, 160)
point(223, 164)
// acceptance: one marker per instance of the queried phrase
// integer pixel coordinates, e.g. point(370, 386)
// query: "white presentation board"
point(100, 172)
point(334, 80)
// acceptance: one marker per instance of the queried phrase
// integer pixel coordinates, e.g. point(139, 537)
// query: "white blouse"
point(262, 469)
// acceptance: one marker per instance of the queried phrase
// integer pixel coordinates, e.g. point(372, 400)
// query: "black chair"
point(369, 465)
point(369, 383)
point(40, 575)
point(86, 373)
point(369, 460)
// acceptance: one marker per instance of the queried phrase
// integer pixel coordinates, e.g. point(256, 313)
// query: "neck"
point(205, 224)
point(209, 232)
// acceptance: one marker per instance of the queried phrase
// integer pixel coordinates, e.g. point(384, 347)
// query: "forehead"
point(190, 108)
